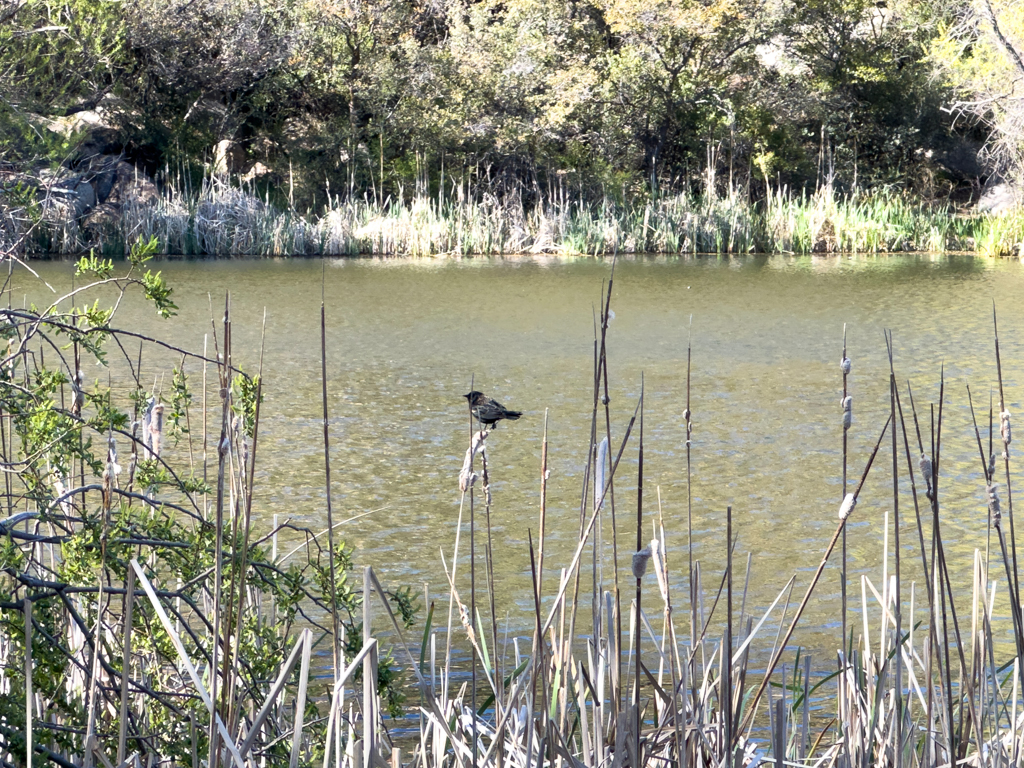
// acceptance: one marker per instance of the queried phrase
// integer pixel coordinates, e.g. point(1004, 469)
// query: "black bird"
point(489, 411)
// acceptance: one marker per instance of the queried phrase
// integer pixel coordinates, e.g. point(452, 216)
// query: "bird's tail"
point(513, 415)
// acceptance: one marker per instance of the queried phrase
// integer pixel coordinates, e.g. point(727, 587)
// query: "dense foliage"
point(608, 97)
point(98, 475)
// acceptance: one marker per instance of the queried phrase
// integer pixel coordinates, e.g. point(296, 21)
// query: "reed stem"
point(777, 655)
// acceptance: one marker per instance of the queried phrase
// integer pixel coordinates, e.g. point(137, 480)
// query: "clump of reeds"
point(925, 683)
point(218, 218)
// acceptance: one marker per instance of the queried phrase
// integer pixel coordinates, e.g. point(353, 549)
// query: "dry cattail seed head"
point(847, 506)
point(640, 562)
point(926, 468)
point(993, 503)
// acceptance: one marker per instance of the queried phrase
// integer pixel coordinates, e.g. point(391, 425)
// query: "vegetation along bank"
point(511, 126)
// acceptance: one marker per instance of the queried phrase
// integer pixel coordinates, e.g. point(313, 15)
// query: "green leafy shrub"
point(94, 491)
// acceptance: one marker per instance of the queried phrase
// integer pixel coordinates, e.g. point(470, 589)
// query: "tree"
point(981, 54)
point(203, 71)
point(523, 83)
point(679, 69)
point(874, 103)
point(56, 59)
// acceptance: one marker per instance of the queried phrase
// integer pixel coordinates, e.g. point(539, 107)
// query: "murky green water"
point(406, 338)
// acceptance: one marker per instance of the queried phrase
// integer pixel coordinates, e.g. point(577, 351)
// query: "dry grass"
point(220, 219)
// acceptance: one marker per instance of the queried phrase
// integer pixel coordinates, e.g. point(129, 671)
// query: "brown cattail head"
point(110, 474)
point(926, 470)
point(77, 393)
point(640, 562)
point(466, 623)
point(467, 477)
point(108, 489)
point(993, 503)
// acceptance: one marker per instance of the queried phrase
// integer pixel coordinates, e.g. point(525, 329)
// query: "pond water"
point(407, 338)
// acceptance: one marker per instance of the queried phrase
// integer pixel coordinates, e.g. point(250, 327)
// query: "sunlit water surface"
point(407, 338)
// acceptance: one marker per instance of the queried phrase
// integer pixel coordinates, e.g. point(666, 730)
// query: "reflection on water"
point(406, 339)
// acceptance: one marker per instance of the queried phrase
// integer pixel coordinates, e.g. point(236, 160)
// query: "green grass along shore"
point(221, 219)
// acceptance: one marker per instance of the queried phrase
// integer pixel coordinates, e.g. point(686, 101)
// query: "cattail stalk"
point(223, 449)
point(29, 693)
point(726, 680)
point(688, 416)
point(472, 586)
point(1005, 433)
point(896, 551)
point(335, 621)
point(639, 578)
point(776, 656)
point(844, 366)
point(606, 400)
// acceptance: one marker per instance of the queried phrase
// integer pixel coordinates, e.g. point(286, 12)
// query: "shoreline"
point(221, 219)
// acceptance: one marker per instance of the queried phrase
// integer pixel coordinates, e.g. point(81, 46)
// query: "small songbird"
point(488, 411)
